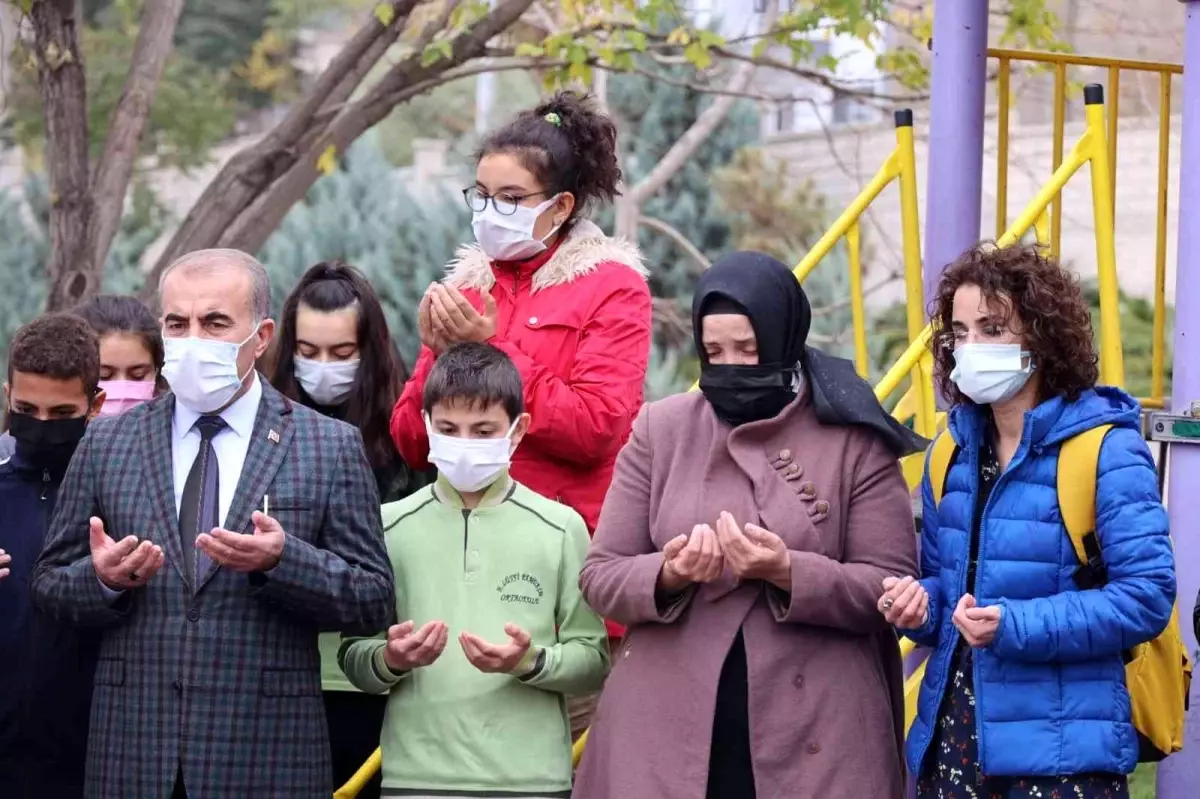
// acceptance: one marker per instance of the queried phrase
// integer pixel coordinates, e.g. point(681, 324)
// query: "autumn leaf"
point(526, 49)
point(327, 164)
point(698, 54)
point(385, 14)
point(679, 36)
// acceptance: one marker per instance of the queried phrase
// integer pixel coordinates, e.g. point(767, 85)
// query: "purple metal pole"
point(955, 189)
point(1179, 775)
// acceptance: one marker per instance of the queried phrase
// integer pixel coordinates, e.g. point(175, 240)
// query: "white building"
point(799, 104)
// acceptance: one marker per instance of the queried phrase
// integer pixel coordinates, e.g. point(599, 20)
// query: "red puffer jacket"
point(576, 322)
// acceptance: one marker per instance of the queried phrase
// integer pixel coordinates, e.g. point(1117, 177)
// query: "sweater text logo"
point(520, 587)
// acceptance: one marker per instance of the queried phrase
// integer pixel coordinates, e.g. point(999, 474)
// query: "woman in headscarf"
point(744, 541)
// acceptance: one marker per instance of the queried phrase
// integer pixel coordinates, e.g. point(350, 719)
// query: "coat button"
point(785, 455)
point(533, 320)
point(193, 614)
point(814, 748)
point(798, 681)
point(793, 469)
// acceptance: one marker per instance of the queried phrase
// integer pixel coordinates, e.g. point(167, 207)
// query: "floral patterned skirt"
point(952, 762)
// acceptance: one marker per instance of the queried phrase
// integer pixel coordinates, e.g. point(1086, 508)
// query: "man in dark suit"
point(212, 533)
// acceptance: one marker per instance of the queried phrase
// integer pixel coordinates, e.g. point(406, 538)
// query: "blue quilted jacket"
point(1050, 695)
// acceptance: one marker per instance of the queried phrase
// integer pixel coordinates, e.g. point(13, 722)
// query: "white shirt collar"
point(239, 416)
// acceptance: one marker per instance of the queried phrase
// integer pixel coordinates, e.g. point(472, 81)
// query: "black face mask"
point(742, 394)
point(46, 444)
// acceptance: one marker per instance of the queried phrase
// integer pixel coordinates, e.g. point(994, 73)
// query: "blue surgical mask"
point(991, 373)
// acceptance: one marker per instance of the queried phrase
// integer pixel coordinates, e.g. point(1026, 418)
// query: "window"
point(848, 110)
point(785, 116)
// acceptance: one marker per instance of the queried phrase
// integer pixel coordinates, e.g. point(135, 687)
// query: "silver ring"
point(888, 602)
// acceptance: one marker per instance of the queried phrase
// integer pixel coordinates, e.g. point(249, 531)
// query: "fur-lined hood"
point(584, 248)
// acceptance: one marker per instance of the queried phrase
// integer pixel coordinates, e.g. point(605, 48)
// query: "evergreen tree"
point(770, 214)
point(653, 115)
point(365, 215)
point(25, 245)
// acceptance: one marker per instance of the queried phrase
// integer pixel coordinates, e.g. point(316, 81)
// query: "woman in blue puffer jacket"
point(1024, 693)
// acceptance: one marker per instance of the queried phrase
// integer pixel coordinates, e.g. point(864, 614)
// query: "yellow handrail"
point(1092, 148)
point(900, 166)
point(858, 308)
point(1113, 67)
point(361, 777)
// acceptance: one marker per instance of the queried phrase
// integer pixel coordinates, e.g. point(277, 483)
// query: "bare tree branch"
point(681, 240)
point(629, 205)
point(818, 77)
point(255, 168)
point(258, 220)
point(156, 35)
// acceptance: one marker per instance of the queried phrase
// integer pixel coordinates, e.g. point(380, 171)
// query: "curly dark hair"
point(59, 346)
point(1044, 303)
point(568, 145)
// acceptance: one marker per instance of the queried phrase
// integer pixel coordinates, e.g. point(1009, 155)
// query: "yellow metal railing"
point(1091, 149)
point(901, 167)
point(1114, 67)
point(361, 777)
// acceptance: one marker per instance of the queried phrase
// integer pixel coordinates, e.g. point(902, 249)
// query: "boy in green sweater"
point(480, 557)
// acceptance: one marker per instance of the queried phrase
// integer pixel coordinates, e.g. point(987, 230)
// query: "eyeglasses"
point(505, 204)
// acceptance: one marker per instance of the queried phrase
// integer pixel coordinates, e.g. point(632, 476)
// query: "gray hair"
point(260, 281)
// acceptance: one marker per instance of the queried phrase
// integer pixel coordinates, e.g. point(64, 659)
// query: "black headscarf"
point(766, 291)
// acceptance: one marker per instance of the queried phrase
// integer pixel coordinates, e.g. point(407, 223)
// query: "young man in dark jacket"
point(45, 693)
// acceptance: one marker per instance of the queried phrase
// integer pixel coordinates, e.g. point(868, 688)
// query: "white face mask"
point(469, 464)
point(510, 238)
point(991, 373)
point(203, 373)
point(328, 383)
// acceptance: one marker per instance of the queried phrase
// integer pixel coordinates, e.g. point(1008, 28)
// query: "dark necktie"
point(199, 511)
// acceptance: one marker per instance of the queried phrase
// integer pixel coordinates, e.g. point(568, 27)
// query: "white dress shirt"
point(230, 445)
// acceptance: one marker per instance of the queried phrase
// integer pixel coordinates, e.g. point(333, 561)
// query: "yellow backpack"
point(1158, 673)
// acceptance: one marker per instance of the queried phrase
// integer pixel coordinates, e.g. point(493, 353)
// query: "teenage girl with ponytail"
point(569, 305)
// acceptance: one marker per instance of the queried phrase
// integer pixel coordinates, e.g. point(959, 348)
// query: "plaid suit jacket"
point(221, 679)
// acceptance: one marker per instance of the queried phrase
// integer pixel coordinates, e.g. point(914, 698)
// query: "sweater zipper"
point(45, 485)
point(1018, 457)
point(466, 513)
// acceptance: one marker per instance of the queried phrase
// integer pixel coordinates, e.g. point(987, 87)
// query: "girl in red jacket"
point(569, 305)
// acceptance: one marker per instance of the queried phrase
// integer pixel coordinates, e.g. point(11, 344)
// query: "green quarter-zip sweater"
point(451, 730)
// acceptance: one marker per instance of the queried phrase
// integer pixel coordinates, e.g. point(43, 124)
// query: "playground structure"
point(953, 225)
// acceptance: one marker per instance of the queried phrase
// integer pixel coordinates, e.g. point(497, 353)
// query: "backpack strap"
point(1078, 466)
point(941, 455)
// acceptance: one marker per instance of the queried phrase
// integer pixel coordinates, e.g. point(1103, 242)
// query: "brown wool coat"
point(825, 679)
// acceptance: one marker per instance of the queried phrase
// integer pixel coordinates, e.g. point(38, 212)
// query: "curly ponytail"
point(567, 144)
